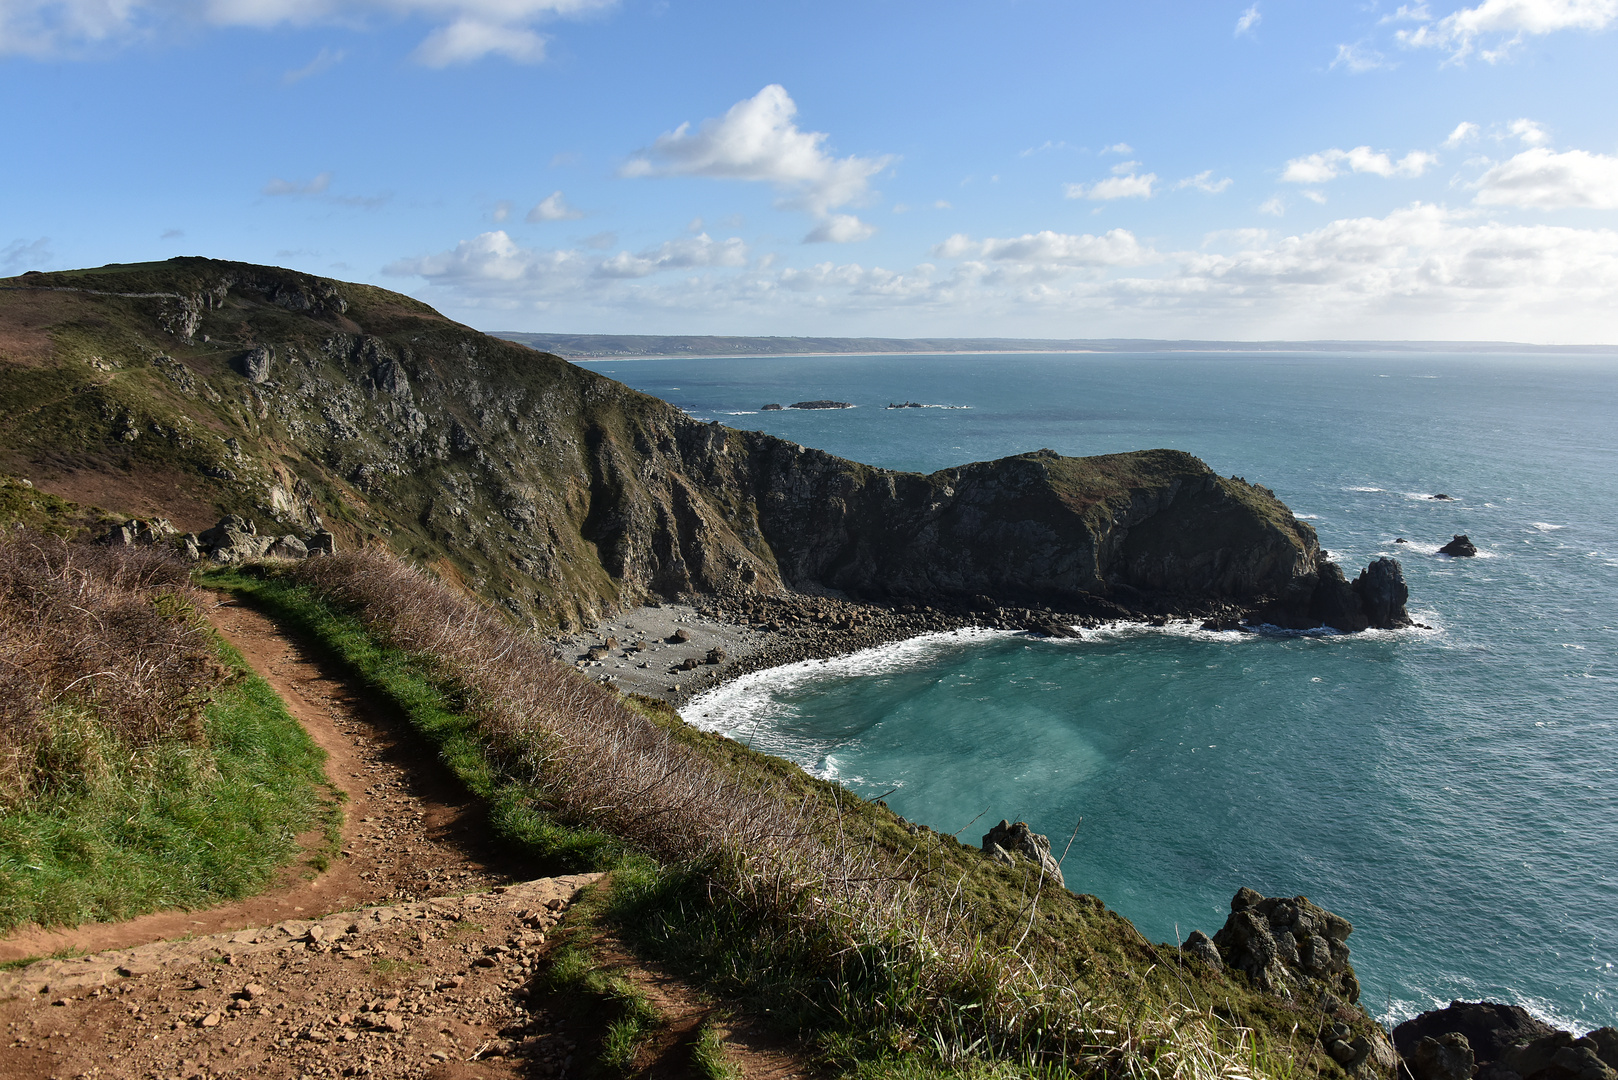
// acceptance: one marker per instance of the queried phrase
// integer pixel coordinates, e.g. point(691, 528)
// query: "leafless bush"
point(106, 637)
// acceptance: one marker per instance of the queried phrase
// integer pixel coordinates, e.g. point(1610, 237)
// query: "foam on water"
point(1453, 792)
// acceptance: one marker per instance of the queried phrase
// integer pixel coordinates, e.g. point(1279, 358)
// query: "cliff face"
point(193, 388)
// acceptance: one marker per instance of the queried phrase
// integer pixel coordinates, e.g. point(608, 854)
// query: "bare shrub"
point(98, 648)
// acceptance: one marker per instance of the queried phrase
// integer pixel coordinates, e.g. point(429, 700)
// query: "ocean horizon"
point(1449, 790)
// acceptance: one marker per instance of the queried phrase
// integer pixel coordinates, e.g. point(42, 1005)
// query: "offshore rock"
point(1006, 839)
point(1490, 1028)
point(1382, 594)
point(1460, 548)
point(1288, 947)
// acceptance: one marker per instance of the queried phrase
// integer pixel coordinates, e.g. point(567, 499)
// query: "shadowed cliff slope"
point(195, 387)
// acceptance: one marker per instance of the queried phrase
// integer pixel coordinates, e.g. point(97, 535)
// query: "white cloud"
point(1116, 248)
point(1420, 272)
point(1506, 23)
point(315, 186)
point(1129, 186)
point(1539, 178)
point(758, 140)
point(502, 210)
point(468, 39)
point(1203, 182)
point(554, 208)
point(688, 252)
point(1274, 206)
point(1359, 58)
point(1529, 132)
point(943, 204)
point(1330, 164)
point(840, 229)
point(466, 30)
point(1249, 19)
point(1464, 132)
point(1118, 148)
point(1316, 197)
point(324, 60)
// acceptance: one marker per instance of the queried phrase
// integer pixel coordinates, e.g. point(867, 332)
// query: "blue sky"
point(998, 167)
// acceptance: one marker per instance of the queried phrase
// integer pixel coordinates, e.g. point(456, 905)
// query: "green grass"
point(436, 713)
point(625, 1015)
point(875, 1008)
point(173, 825)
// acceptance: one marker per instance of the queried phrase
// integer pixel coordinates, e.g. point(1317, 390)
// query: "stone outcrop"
point(235, 539)
point(1007, 840)
point(1288, 947)
point(138, 533)
point(1201, 946)
point(1460, 548)
point(254, 364)
point(1501, 1042)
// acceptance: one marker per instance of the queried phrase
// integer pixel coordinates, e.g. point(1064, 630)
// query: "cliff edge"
point(193, 388)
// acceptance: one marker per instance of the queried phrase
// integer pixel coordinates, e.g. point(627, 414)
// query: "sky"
point(1021, 168)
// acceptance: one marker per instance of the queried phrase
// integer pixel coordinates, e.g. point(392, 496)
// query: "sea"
point(1451, 790)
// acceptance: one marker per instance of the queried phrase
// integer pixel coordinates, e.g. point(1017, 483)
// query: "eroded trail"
point(426, 969)
point(410, 831)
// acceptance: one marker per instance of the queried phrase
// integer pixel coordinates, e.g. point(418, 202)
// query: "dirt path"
point(410, 830)
point(424, 972)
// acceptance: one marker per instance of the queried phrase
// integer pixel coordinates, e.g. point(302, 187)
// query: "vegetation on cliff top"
point(193, 388)
point(142, 765)
point(877, 940)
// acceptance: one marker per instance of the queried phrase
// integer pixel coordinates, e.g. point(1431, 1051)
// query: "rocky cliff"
point(193, 388)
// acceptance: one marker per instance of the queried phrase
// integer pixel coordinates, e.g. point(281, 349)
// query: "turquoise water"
point(1453, 792)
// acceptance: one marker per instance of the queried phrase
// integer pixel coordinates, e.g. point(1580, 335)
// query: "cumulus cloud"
point(467, 30)
point(1330, 164)
point(1116, 248)
point(471, 38)
point(554, 207)
point(1275, 206)
point(1529, 132)
point(1204, 181)
point(1504, 24)
point(1539, 178)
point(840, 229)
point(1127, 185)
point(315, 186)
point(683, 254)
point(1464, 132)
point(758, 140)
point(1248, 20)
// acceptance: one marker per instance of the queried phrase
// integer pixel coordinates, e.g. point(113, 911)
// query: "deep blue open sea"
point(1453, 792)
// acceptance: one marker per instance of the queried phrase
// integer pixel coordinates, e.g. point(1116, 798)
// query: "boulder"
point(287, 547)
point(321, 543)
point(1007, 840)
point(1201, 946)
point(1288, 946)
point(716, 655)
point(1490, 1028)
point(1461, 547)
point(138, 533)
point(1448, 1057)
point(254, 364)
point(1558, 1056)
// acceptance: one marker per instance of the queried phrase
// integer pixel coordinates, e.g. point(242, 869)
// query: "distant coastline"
point(699, 346)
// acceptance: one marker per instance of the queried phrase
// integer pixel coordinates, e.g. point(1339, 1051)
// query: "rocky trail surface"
point(426, 969)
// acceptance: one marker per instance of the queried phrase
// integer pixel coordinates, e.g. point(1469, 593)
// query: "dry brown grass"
point(783, 858)
point(106, 637)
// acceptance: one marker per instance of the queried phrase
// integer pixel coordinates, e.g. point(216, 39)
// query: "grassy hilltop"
point(494, 487)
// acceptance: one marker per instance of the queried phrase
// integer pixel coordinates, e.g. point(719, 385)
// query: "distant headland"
point(647, 346)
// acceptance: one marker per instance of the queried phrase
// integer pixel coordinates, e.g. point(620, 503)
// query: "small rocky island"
point(822, 404)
